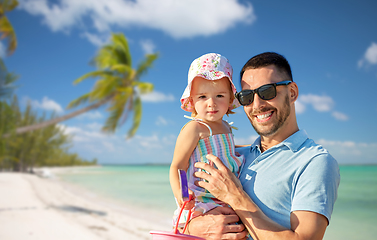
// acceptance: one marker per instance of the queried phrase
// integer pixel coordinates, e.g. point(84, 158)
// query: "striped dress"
point(220, 145)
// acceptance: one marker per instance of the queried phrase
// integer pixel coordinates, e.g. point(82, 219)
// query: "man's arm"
point(227, 188)
point(219, 223)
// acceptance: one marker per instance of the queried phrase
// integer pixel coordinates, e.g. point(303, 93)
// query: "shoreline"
point(48, 208)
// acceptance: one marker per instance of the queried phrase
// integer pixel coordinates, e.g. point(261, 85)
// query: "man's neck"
point(269, 141)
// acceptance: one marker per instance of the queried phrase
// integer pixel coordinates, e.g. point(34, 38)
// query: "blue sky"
point(331, 46)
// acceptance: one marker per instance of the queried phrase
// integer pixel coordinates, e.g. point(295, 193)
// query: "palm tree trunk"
point(59, 119)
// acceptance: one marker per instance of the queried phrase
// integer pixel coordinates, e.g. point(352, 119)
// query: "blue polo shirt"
point(296, 174)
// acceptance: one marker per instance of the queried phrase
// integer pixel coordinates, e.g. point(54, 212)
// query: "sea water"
point(354, 216)
point(143, 186)
point(355, 211)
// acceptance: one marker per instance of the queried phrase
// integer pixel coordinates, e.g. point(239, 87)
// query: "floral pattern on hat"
point(211, 66)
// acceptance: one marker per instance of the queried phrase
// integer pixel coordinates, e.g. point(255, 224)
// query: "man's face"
point(267, 116)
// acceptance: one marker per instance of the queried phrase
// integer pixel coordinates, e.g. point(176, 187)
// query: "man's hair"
point(267, 59)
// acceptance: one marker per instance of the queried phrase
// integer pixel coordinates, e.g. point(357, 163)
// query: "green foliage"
point(118, 84)
point(7, 80)
point(48, 146)
point(7, 33)
point(6, 28)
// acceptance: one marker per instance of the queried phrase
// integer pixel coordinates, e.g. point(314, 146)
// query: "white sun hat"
point(211, 66)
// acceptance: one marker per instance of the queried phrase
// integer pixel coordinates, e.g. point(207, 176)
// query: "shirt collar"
point(256, 144)
point(293, 142)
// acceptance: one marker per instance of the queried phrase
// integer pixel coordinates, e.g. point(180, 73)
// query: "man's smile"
point(264, 117)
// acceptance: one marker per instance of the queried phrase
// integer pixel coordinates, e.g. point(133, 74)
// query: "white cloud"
point(47, 104)
point(161, 121)
point(148, 46)
point(94, 126)
point(153, 141)
point(179, 19)
point(95, 39)
point(157, 97)
point(370, 56)
point(349, 152)
point(91, 140)
point(68, 130)
point(90, 115)
point(300, 107)
point(339, 116)
point(320, 104)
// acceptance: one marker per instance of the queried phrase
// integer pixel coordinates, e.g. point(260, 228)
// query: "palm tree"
point(7, 32)
point(6, 29)
point(47, 146)
point(118, 86)
point(7, 80)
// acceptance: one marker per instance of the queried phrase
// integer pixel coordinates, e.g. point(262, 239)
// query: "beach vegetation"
point(7, 80)
point(8, 34)
point(6, 29)
point(48, 146)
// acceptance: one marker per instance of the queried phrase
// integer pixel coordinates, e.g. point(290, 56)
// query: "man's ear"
point(293, 91)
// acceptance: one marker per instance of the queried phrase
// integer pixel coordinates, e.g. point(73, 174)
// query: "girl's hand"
point(191, 202)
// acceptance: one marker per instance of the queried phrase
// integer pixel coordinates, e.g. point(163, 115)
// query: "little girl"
point(209, 95)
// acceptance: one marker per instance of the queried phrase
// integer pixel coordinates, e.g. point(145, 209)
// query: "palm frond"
point(120, 99)
point(94, 74)
point(104, 58)
point(114, 53)
point(144, 87)
point(121, 68)
point(146, 64)
point(7, 31)
point(123, 52)
point(104, 88)
point(83, 99)
point(8, 5)
point(137, 110)
point(117, 108)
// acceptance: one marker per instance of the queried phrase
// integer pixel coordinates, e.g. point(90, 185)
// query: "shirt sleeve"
point(316, 186)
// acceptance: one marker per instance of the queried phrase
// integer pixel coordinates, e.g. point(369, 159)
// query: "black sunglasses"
point(265, 92)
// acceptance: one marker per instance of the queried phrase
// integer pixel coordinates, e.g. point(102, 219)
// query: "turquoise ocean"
point(147, 187)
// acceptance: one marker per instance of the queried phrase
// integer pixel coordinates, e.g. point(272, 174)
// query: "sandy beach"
point(33, 207)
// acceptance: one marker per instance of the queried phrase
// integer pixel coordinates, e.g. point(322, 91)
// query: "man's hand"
point(227, 188)
point(219, 223)
point(221, 182)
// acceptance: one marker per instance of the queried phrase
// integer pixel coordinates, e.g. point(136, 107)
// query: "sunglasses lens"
point(267, 92)
point(245, 97)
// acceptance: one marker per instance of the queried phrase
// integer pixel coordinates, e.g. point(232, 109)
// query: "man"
point(288, 185)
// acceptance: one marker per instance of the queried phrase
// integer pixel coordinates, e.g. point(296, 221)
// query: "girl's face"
point(211, 98)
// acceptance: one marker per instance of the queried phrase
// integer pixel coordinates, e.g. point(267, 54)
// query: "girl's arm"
point(186, 142)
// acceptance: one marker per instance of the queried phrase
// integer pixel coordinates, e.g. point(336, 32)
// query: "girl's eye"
point(220, 96)
point(202, 97)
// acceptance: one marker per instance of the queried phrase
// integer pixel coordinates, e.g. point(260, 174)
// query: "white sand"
point(32, 207)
